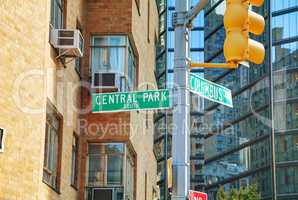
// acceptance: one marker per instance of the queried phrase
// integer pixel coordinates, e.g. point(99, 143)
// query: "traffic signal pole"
point(181, 105)
point(239, 21)
point(181, 122)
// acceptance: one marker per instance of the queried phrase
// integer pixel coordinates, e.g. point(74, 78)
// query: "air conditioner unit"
point(69, 42)
point(109, 81)
point(102, 193)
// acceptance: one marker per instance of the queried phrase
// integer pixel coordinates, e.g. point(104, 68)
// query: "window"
point(130, 176)
point(2, 138)
point(53, 148)
point(105, 164)
point(78, 61)
point(74, 161)
point(113, 55)
point(57, 13)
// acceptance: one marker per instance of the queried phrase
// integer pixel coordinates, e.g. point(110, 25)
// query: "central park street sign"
point(210, 90)
point(127, 101)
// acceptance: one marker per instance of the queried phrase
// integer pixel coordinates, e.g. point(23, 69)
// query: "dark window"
point(78, 62)
point(74, 161)
point(57, 13)
point(1, 140)
point(52, 150)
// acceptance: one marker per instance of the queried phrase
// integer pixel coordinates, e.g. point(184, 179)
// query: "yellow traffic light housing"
point(239, 21)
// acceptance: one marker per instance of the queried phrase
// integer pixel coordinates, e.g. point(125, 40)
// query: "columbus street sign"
point(127, 101)
point(210, 90)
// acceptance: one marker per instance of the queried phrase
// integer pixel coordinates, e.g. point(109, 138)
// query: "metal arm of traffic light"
point(195, 11)
point(214, 65)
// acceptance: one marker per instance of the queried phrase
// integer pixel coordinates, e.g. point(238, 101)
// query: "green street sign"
point(210, 90)
point(127, 101)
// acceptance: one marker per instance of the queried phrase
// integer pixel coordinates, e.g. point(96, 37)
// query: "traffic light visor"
point(256, 2)
point(256, 51)
point(256, 23)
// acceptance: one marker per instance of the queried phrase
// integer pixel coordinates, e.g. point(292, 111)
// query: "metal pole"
point(196, 10)
point(181, 147)
point(271, 77)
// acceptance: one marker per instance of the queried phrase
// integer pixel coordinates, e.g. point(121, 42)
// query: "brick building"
point(51, 144)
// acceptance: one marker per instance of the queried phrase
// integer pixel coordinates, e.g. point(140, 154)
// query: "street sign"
point(194, 195)
point(128, 101)
point(210, 90)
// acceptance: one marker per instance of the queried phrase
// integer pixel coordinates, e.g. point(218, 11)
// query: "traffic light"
point(239, 21)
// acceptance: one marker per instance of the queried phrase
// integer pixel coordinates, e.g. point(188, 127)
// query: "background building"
point(40, 126)
point(164, 76)
point(117, 148)
point(238, 148)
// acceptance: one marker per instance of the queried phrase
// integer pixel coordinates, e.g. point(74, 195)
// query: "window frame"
point(51, 110)
point(124, 72)
point(79, 60)
point(128, 156)
point(75, 163)
point(105, 157)
point(63, 9)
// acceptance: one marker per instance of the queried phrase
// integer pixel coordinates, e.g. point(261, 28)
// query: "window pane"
point(114, 171)
point(285, 26)
point(117, 40)
point(107, 59)
point(96, 170)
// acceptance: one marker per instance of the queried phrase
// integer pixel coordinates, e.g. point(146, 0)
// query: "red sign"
point(193, 195)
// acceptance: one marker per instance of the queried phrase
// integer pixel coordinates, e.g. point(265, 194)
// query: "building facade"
point(163, 119)
point(238, 148)
point(51, 144)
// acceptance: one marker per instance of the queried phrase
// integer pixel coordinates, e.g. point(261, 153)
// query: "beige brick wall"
point(22, 49)
point(30, 75)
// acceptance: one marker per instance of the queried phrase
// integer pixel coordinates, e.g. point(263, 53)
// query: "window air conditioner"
point(102, 193)
point(109, 81)
point(69, 42)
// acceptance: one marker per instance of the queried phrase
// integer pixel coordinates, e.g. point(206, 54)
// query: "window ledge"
point(50, 186)
point(75, 187)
